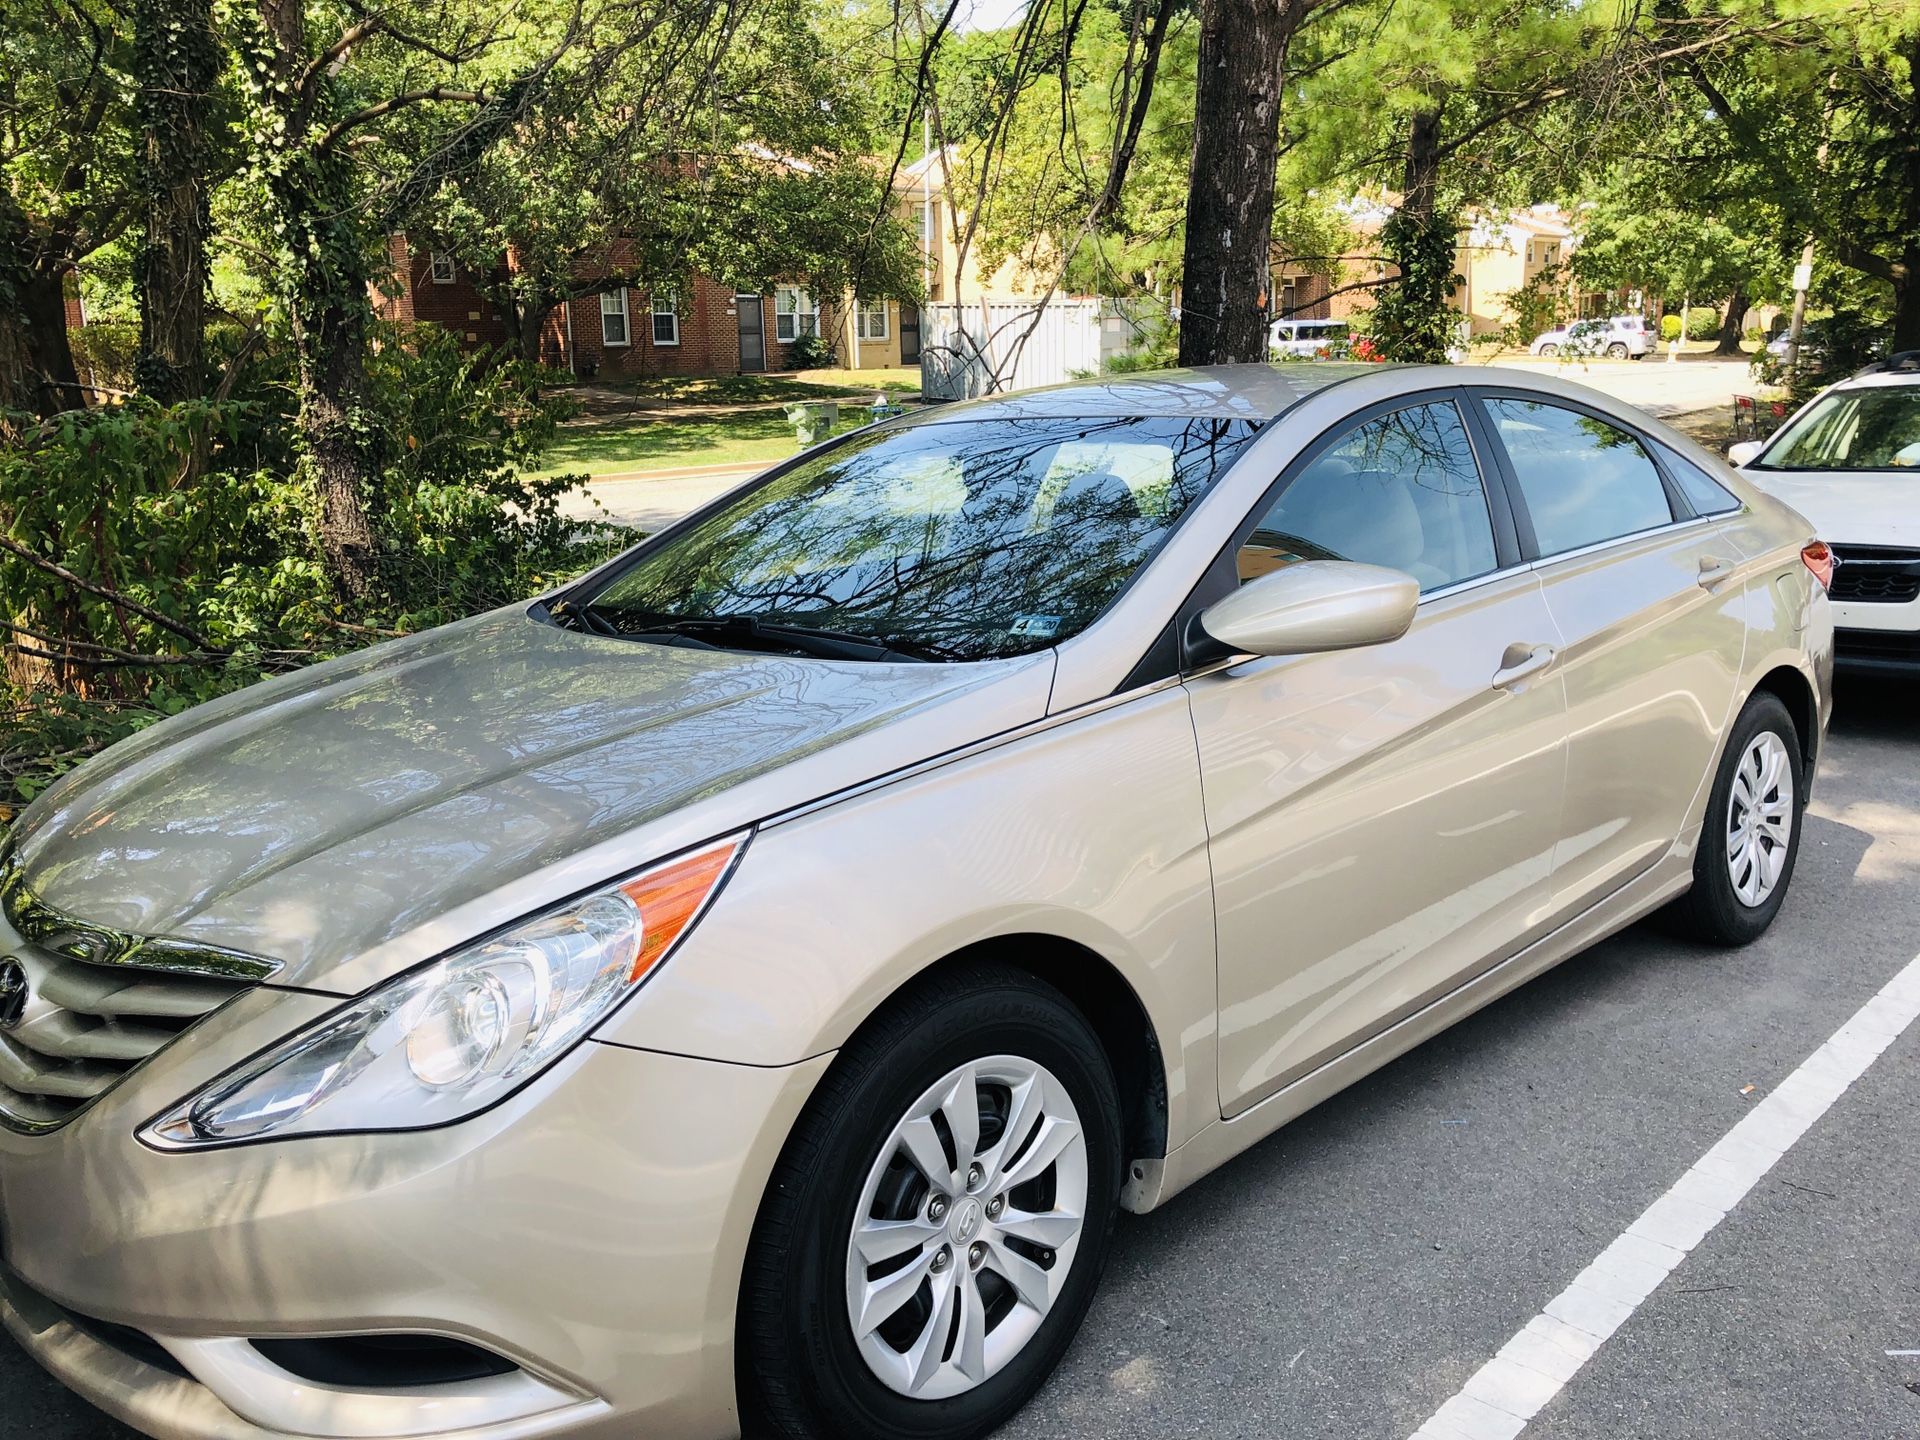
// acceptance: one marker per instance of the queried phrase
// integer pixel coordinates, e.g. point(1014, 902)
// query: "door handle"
point(1713, 570)
point(1520, 661)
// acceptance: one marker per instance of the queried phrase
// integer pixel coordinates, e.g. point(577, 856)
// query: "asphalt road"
point(1348, 1276)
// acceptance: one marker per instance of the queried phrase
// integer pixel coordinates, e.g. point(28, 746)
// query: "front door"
point(1381, 821)
point(909, 335)
point(1652, 610)
point(753, 332)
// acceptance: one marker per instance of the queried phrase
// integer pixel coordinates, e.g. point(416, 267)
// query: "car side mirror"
point(1744, 453)
point(1312, 606)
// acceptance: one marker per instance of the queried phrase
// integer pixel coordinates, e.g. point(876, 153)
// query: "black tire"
point(1547, 352)
point(1712, 912)
point(801, 1372)
point(1616, 351)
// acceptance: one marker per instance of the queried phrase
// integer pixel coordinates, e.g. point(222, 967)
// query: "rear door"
point(1649, 601)
point(1381, 821)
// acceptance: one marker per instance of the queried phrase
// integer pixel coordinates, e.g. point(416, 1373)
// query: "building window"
point(440, 267)
point(1289, 297)
point(666, 319)
point(794, 315)
point(870, 320)
point(613, 317)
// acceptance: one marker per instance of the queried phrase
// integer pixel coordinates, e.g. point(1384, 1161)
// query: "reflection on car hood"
point(316, 815)
point(1850, 508)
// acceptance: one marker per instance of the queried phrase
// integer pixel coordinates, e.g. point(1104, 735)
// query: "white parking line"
point(1533, 1367)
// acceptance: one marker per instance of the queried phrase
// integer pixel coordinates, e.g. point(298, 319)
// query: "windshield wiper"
point(821, 643)
point(589, 618)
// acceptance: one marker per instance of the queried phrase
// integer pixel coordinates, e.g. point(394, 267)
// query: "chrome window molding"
point(1652, 532)
point(52, 929)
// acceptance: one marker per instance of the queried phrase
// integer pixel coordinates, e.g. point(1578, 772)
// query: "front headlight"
point(453, 1037)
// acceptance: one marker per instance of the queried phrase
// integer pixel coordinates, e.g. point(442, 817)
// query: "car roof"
point(1242, 392)
point(1873, 379)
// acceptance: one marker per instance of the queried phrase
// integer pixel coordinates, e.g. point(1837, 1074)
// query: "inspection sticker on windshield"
point(1042, 627)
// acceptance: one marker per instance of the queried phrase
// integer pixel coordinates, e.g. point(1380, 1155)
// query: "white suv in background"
point(1619, 338)
point(1850, 462)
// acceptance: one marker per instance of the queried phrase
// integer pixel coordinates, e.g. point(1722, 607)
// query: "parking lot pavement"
point(1349, 1276)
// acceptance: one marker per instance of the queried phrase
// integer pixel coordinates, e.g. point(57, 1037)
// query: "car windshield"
point(1873, 428)
point(952, 540)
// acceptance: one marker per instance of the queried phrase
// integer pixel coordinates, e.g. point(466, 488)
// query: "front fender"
point(1087, 828)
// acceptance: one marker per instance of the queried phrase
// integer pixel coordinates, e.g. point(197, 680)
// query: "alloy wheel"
point(1760, 815)
point(967, 1227)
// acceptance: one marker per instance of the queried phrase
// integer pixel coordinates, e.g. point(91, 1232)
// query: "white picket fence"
point(992, 347)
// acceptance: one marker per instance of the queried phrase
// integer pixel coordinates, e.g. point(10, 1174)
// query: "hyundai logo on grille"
point(13, 992)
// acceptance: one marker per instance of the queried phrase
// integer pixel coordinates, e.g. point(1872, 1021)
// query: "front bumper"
point(590, 1230)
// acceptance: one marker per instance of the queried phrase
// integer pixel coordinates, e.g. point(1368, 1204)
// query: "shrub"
point(810, 352)
point(162, 555)
point(1669, 328)
point(1703, 323)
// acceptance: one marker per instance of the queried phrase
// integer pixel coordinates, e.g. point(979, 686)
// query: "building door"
point(909, 334)
point(753, 332)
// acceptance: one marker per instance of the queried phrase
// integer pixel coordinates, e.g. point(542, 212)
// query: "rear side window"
point(1707, 495)
point(1584, 481)
point(1400, 490)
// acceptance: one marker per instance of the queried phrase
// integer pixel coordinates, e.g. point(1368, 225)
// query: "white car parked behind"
point(1850, 462)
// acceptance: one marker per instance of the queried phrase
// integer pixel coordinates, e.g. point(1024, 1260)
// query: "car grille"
point(87, 1026)
point(80, 1005)
point(1876, 574)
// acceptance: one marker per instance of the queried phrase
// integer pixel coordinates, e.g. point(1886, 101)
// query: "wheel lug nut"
point(937, 1208)
point(974, 1176)
point(942, 1258)
point(996, 1206)
point(975, 1254)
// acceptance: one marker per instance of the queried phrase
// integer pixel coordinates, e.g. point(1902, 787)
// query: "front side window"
point(1876, 428)
point(1584, 481)
point(613, 318)
point(954, 540)
point(870, 320)
point(794, 315)
point(1401, 490)
point(666, 319)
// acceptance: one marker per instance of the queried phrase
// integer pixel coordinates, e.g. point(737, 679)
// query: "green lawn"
point(746, 389)
point(635, 443)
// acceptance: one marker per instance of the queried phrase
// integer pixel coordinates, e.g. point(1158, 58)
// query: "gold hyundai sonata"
point(739, 989)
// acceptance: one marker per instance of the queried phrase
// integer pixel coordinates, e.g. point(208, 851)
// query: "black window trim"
point(1198, 650)
point(1679, 507)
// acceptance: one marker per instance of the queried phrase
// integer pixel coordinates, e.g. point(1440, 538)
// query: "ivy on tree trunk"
point(176, 62)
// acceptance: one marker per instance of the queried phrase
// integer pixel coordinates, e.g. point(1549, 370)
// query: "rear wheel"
point(1751, 836)
point(937, 1224)
point(1549, 351)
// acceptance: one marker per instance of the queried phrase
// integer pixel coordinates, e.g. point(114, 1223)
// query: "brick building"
point(624, 332)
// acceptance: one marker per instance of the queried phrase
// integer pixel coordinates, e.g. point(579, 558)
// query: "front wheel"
point(1751, 836)
point(1547, 352)
point(935, 1228)
point(1616, 351)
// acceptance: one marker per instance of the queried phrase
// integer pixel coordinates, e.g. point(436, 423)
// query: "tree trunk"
point(37, 372)
point(325, 286)
point(1236, 143)
point(1413, 320)
point(176, 64)
point(1906, 305)
point(1733, 325)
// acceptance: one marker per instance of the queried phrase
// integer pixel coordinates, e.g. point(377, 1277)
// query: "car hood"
point(314, 817)
point(1850, 509)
